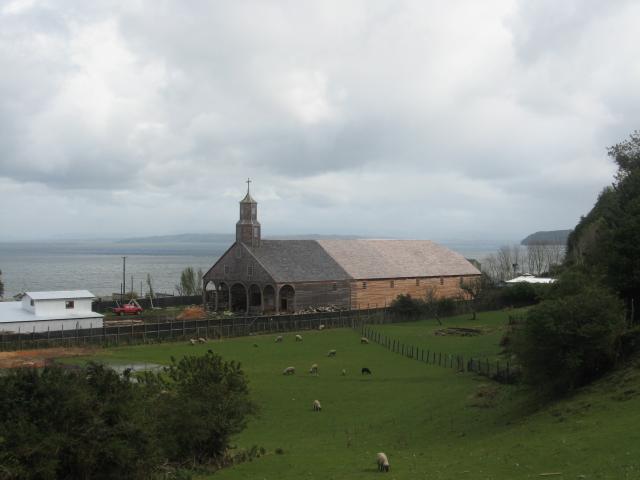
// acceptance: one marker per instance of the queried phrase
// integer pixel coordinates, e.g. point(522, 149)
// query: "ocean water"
point(97, 266)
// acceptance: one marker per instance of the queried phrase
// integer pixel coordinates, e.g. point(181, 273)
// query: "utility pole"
point(124, 282)
point(131, 286)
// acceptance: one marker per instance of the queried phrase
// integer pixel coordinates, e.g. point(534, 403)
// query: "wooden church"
point(272, 276)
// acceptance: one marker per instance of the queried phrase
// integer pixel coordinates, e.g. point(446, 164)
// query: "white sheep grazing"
point(316, 406)
point(279, 339)
point(331, 353)
point(383, 462)
point(321, 327)
point(289, 371)
point(314, 369)
point(298, 338)
point(192, 341)
point(202, 340)
point(344, 372)
point(364, 340)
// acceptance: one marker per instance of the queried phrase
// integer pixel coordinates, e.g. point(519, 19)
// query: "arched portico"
point(238, 298)
point(287, 298)
point(224, 296)
point(255, 299)
point(210, 296)
point(269, 299)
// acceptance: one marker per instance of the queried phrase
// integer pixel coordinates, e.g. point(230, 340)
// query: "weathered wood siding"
point(379, 292)
point(237, 260)
point(314, 294)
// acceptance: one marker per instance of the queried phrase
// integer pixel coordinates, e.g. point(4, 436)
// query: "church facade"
point(283, 276)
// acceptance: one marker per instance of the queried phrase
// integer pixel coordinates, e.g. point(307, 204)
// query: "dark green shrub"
point(569, 340)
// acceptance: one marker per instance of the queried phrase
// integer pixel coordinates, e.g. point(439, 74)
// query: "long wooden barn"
point(262, 276)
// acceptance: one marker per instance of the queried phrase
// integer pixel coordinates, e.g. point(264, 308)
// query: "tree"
point(1, 285)
point(473, 289)
point(571, 338)
point(607, 239)
point(150, 287)
point(207, 403)
point(189, 283)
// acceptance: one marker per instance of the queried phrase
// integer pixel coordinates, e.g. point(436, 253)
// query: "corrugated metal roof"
point(326, 260)
point(60, 295)
point(396, 258)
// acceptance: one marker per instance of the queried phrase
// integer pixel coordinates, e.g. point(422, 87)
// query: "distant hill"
point(553, 237)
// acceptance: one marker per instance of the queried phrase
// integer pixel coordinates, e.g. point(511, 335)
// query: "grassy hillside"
point(432, 422)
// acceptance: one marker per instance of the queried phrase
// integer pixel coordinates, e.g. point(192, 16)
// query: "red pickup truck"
point(128, 309)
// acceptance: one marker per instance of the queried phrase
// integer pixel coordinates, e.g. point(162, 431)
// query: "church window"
point(364, 285)
point(238, 252)
point(393, 284)
point(226, 269)
point(256, 232)
point(441, 280)
point(250, 270)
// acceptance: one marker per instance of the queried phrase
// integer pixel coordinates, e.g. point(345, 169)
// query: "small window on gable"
point(364, 285)
point(238, 252)
point(226, 269)
point(392, 284)
point(69, 304)
point(334, 287)
point(417, 282)
point(250, 270)
point(441, 280)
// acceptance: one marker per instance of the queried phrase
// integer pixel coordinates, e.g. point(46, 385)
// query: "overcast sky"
point(444, 120)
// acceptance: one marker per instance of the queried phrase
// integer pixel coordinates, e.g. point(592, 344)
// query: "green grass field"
point(432, 422)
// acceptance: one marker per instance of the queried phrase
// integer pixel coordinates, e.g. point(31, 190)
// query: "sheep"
point(298, 338)
point(202, 340)
point(331, 353)
point(383, 462)
point(365, 371)
point(192, 341)
point(321, 327)
point(344, 372)
point(316, 406)
point(279, 339)
point(314, 369)
point(364, 340)
point(289, 371)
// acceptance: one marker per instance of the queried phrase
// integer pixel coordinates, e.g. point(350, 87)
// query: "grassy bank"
point(432, 422)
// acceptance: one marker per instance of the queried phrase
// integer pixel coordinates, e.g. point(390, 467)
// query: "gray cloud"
point(421, 119)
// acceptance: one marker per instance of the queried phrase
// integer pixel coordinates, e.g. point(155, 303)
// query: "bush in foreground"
point(571, 338)
point(94, 423)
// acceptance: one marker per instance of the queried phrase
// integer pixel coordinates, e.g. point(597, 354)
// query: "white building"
point(528, 278)
point(42, 311)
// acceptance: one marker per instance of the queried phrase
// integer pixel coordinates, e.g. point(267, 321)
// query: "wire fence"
point(180, 330)
point(501, 371)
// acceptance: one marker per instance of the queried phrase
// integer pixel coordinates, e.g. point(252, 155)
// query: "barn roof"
point(396, 258)
point(297, 261)
point(326, 260)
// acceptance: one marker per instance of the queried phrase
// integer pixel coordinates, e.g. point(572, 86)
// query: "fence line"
point(502, 372)
point(179, 330)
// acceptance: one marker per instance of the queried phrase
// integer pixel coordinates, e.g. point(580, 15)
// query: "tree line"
point(587, 323)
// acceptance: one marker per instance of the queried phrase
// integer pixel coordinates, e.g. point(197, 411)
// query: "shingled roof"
point(326, 260)
point(297, 261)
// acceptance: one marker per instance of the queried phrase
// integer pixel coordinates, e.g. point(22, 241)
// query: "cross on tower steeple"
point(248, 182)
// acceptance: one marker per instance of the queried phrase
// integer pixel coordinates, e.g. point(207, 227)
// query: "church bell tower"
point(248, 227)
